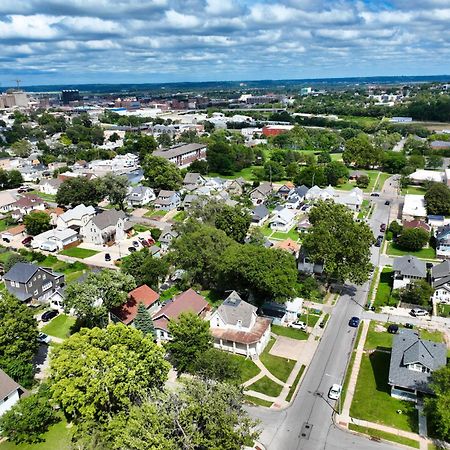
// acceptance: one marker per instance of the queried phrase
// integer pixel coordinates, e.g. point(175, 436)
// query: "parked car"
point(131, 249)
point(298, 325)
point(107, 257)
point(383, 227)
point(393, 328)
point(409, 325)
point(136, 244)
point(43, 338)
point(335, 391)
point(387, 202)
point(27, 241)
point(375, 194)
point(145, 244)
point(418, 312)
point(379, 241)
point(354, 322)
point(24, 189)
point(48, 315)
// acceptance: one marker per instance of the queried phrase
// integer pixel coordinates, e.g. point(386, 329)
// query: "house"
point(306, 265)
point(155, 251)
point(282, 220)
point(355, 175)
point(50, 186)
point(29, 282)
point(236, 327)
point(408, 269)
point(299, 192)
point(417, 224)
point(440, 281)
point(189, 199)
point(56, 299)
point(352, 200)
point(25, 204)
point(443, 242)
point(183, 155)
point(128, 311)
point(188, 301)
point(421, 176)
point(413, 360)
point(261, 193)
point(285, 190)
point(414, 207)
point(435, 221)
point(214, 184)
point(237, 187)
point(193, 180)
point(167, 200)
point(166, 239)
point(7, 201)
point(259, 215)
point(288, 245)
point(140, 195)
point(107, 227)
point(304, 225)
point(316, 194)
point(10, 392)
point(11, 233)
point(75, 218)
point(61, 238)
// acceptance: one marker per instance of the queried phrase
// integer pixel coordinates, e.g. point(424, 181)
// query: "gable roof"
point(443, 232)
point(21, 272)
point(441, 270)
point(108, 218)
point(417, 224)
point(7, 385)
point(288, 245)
point(409, 265)
point(178, 150)
point(77, 213)
point(265, 188)
point(192, 178)
point(234, 309)
point(259, 212)
point(6, 198)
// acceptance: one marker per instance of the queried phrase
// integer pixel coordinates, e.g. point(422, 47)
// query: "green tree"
point(360, 152)
point(36, 222)
point(394, 162)
point(199, 166)
point(437, 199)
point(220, 158)
point(214, 364)
point(274, 171)
point(190, 338)
point(21, 148)
point(140, 144)
point(336, 173)
point(234, 221)
point(340, 243)
point(97, 373)
point(395, 228)
point(28, 419)
point(115, 188)
point(416, 161)
point(416, 293)
point(15, 179)
point(363, 181)
point(11, 260)
point(164, 140)
point(311, 176)
point(161, 174)
point(18, 339)
point(413, 239)
point(324, 157)
point(435, 161)
point(79, 190)
point(143, 321)
point(114, 137)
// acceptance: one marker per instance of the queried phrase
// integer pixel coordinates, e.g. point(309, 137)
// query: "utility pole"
point(18, 83)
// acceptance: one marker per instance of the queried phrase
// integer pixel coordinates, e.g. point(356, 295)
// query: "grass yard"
point(383, 295)
point(3, 225)
point(277, 366)
point(56, 438)
point(372, 400)
point(295, 383)
point(365, 207)
point(257, 401)
point(46, 197)
point(381, 180)
point(289, 332)
point(212, 297)
point(179, 216)
point(266, 386)
point(60, 326)
point(155, 213)
point(77, 252)
point(375, 339)
point(373, 282)
point(349, 185)
point(72, 271)
point(443, 310)
point(383, 435)
point(5, 255)
point(246, 174)
point(248, 368)
point(364, 121)
point(292, 234)
point(310, 319)
point(416, 190)
point(139, 228)
point(169, 293)
point(435, 336)
point(266, 230)
point(424, 253)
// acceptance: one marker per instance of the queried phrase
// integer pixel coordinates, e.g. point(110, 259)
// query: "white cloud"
point(181, 21)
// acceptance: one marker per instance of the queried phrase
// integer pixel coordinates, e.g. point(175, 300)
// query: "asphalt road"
point(286, 430)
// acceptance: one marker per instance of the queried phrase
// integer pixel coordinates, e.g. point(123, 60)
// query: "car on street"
point(48, 315)
point(418, 312)
point(354, 322)
point(298, 325)
point(393, 328)
point(375, 194)
point(379, 241)
point(335, 391)
point(24, 189)
point(387, 202)
point(409, 325)
point(107, 257)
point(131, 249)
point(383, 227)
point(43, 338)
point(136, 244)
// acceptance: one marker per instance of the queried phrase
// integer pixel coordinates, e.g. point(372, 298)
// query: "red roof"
point(417, 224)
point(128, 311)
point(188, 301)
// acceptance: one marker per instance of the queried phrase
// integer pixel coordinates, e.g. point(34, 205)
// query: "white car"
point(299, 325)
point(418, 312)
point(43, 338)
point(335, 391)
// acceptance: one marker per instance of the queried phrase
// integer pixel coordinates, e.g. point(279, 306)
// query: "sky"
point(145, 41)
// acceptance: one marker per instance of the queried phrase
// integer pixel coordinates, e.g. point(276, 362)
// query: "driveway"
point(288, 348)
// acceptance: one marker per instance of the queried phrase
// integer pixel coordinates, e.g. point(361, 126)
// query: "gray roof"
point(108, 218)
point(442, 232)
point(234, 309)
point(441, 270)
point(7, 385)
point(302, 190)
point(264, 188)
point(178, 150)
point(260, 212)
point(410, 266)
point(21, 272)
point(138, 192)
point(408, 348)
point(191, 178)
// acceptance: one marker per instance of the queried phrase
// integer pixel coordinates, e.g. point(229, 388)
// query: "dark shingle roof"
point(441, 270)
point(234, 309)
point(410, 266)
point(21, 272)
point(108, 218)
point(7, 385)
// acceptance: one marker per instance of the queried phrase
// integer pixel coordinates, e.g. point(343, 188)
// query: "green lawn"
point(179, 216)
point(139, 228)
point(265, 230)
point(289, 332)
point(248, 368)
point(5, 255)
point(257, 401)
point(383, 435)
point(365, 207)
point(294, 384)
point(46, 197)
point(372, 400)
point(169, 293)
point(383, 177)
point(3, 225)
point(77, 252)
point(246, 174)
point(212, 297)
point(365, 121)
point(154, 213)
point(443, 310)
point(60, 326)
point(435, 336)
point(372, 283)
point(266, 386)
point(424, 253)
point(277, 366)
point(310, 319)
point(383, 295)
point(349, 185)
point(292, 233)
point(416, 190)
point(72, 271)
point(56, 438)
point(375, 339)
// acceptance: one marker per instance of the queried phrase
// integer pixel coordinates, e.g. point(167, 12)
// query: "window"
point(44, 276)
point(35, 292)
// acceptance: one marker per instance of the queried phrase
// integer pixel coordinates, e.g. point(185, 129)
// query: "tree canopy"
point(36, 222)
point(80, 190)
point(439, 407)
point(437, 199)
point(161, 174)
point(413, 239)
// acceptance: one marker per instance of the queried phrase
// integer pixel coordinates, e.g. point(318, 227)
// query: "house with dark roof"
point(167, 200)
point(236, 187)
point(127, 312)
point(259, 215)
point(193, 180)
point(50, 186)
point(440, 281)
point(443, 242)
point(140, 195)
point(237, 328)
point(413, 360)
point(259, 194)
point(408, 269)
point(183, 155)
point(10, 392)
point(166, 239)
point(28, 282)
point(285, 190)
point(108, 226)
point(188, 301)
point(417, 223)
point(306, 265)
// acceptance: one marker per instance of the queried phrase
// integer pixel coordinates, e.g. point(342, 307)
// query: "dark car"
point(383, 227)
point(136, 244)
point(374, 194)
point(393, 328)
point(48, 315)
point(409, 325)
point(379, 241)
point(27, 241)
point(131, 249)
point(354, 322)
point(387, 202)
point(107, 257)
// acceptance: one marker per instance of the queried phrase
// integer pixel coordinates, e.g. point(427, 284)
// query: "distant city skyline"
point(154, 41)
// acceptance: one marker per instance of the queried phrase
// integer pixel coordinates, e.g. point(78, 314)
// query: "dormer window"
point(239, 323)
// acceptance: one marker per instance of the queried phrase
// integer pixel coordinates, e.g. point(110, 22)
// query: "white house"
point(50, 186)
point(76, 217)
point(316, 193)
point(414, 207)
point(440, 280)
point(61, 238)
point(282, 220)
point(140, 195)
point(167, 200)
point(10, 392)
point(352, 200)
point(7, 201)
point(236, 327)
point(166, 239)
point(193, 180)
point(420, 176)
point(108, 226)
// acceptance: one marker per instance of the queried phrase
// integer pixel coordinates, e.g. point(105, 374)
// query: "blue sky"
point(112, 41)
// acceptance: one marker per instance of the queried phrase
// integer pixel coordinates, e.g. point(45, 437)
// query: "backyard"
point(310, 317)
point(155, 214)
point(77, 252)
point(424, 253)
point(60, 326)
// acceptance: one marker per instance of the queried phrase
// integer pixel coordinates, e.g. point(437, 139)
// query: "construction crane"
point(18, 83)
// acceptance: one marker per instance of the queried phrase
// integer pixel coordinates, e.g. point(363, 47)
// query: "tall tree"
point(36, 222)
point(340, 243)
point(97, 373)
point(336, 173)
point(143, 321)
point(161, 174)
point(77, 190)
point(115, 188)
point(413, 239)
point(360, 152)
point(437, 199)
